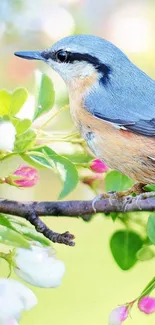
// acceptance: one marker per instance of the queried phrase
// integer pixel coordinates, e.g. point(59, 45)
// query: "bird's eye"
point(61, 56)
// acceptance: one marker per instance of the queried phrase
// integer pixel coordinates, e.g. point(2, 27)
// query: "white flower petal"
point(39, 267)
point(114, 318)
point(7, 136)
point(15, 297)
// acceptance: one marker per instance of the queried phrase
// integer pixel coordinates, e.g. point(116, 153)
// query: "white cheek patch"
point(69, 71)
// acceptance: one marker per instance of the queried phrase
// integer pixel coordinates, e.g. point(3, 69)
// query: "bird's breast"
point(119, 149)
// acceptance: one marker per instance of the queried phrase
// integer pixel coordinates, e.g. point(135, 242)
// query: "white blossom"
point(7, 136)
point(118, 315)
point(39, 266)
point(15, 297)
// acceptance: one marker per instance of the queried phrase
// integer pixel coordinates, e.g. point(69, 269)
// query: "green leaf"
point(151, 228)
point(66, 169)
point(148, 289)
point(25, 141)
point(18, 99)
point(145, 254)
point(21, 125)
point(32, 234)
point(46, 95)
point(114, 215)
point(4, 221)
point(115, 181)
point(12, 238)
point(5, 100)
point(22, 228)
point(48, 158)
point(124, 246)
point(79, 157)
point(149, 188)
point(35, 161)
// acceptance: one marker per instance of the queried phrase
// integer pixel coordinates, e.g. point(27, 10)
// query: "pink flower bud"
point(118, 315)
point(98, 166)
point(28, 176)
point(147, 305)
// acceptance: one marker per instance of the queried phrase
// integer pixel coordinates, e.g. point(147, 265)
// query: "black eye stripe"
point(98, 65)
point(71, 57)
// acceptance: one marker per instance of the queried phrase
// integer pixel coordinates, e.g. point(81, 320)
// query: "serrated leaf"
point(25, 141)
point(67, 171)
point(18, 99)
point(151, 228)
point(46, 95)
point(124, 246)
point(12, 238)
point(5, 100)
point(115, 181)
point(21, 125)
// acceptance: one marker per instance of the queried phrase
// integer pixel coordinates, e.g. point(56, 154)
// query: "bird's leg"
point(137, 188)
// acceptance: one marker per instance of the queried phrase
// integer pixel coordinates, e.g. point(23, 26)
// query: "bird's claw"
point(110, 195)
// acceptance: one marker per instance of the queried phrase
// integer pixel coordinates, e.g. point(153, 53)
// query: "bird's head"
point(80, 56)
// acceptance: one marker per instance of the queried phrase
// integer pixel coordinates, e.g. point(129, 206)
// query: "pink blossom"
point(118, 315)
point(147, 305)
point(98, 166)
point(28, 176)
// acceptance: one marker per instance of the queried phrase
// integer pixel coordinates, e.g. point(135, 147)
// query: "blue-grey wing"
point(125, 103)
point(143, 127)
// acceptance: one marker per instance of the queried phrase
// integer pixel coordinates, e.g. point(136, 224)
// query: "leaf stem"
point(53, 116)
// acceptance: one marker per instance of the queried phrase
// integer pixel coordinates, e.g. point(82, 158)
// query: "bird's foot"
point(135, 189)
point(109, 195)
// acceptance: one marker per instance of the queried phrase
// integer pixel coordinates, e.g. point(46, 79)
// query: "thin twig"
point(65, 238)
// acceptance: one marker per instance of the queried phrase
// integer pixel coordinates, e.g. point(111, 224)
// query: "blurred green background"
point(93, 283)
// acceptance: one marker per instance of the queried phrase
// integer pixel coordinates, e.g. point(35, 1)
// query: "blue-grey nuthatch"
point(112, 102)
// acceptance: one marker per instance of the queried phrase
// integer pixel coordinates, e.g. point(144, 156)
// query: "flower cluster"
point(118, 315)
point(37, 266)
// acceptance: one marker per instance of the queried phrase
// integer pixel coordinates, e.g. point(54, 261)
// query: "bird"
point(112, 103)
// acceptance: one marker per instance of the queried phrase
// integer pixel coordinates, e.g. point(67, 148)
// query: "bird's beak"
point(30, 55)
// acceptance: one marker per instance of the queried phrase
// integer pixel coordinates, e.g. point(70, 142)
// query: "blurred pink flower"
point(98, 166)
point(91, 179)
point(147, 305)
point(19, 70)
point(118, 315)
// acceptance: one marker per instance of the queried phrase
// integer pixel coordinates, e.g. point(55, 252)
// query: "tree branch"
point(32, 210)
